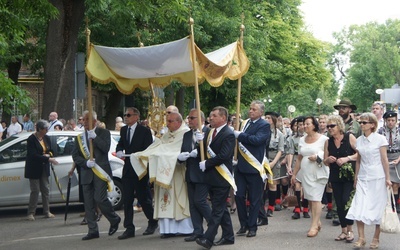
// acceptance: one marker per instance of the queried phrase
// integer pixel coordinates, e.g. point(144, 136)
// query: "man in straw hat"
point(345, 107)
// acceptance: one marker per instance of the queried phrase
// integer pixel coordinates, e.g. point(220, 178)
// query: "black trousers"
point(142, 188)
point(199, 209)
point(219, 215)
point(341, 192)
point(253, 184)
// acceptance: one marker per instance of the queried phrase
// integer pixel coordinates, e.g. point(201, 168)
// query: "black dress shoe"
point(262, 222)
point(127, 234)
point(204, 243)
point(251, 233)
point(91, 236)
point(224, 241)
point(242, 230)
point(150, 229)
point(114, 227)
point(270, 213)
point(166, 236)
point(191, 238)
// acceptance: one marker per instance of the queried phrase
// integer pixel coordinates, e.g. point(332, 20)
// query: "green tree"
point(374, 60)
point(20, 26)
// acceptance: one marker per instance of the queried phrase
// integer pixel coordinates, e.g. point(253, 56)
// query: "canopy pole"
point(89, 87)
point(196, 86)
point(239, 88)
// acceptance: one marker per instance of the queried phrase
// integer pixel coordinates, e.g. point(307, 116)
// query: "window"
point(14, 153)
point(62, 145)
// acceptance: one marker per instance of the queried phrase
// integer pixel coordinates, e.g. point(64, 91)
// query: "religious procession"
point(187, 171)
point(192, 172)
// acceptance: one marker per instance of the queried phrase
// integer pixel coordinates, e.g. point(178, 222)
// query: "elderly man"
point(14, 128)
point(94, 172)
point(171, 204)
point(377, 110)
point(345, 107)
point(250, 173)
point(53, 119)
point(219, 145)
point(197, 189)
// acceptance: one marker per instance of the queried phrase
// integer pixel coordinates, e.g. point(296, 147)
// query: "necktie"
point(129, 135)
point(194, 139)
point(214, 134)
point(249, 123)
point(390, 139)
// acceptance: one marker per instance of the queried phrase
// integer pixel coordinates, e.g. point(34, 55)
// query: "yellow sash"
point(97, 170)
point(222, 169)
point(249, 157)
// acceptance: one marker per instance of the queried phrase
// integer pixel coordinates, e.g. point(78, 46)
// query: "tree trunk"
point(61, 47)
point(112, 108)
point(180, 100)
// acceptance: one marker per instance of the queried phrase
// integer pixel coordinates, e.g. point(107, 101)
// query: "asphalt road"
point(281, 233)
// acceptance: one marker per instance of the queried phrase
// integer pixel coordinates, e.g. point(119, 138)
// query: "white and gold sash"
point(222, 169)
point(97, 170)
point(249, 157)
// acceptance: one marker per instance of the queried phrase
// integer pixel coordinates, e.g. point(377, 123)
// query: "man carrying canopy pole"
point(196, 86)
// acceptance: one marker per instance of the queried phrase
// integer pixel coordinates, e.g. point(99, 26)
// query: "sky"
point(323, 17)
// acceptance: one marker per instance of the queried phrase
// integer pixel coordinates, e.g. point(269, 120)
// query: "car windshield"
point(7, 140)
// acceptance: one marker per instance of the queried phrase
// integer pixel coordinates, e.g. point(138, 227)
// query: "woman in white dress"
point(314, 175)
point(370, 180)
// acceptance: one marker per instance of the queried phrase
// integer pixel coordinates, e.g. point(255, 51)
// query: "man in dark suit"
point(197, 189)
point(135, 137)
point(94, 188)
point(219, 145)
point(252, 139)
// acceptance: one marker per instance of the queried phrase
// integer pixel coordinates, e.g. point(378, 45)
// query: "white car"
point(14, 188)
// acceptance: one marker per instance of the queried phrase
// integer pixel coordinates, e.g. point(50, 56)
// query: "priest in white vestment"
point(171, 203)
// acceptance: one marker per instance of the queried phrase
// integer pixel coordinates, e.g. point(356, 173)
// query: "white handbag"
point(390, 220)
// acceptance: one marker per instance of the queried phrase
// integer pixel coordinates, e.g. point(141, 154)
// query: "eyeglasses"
point(129, 115)
point(342, 107)
point(331, 125)
point(192, 117)
point(364, 122)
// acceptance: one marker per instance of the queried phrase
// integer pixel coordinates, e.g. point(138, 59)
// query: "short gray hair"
point(260, 104)
point(42, 124)
point(94, 114)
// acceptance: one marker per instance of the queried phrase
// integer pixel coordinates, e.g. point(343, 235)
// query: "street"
point(281, 233)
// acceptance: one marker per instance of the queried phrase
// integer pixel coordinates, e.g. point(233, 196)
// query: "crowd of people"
point(341, 161)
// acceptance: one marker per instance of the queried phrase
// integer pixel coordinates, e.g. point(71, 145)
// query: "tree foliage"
point(374, 60)
point(22, 26)
point(286, 61)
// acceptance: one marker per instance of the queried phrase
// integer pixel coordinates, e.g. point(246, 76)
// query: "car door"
point(14, 188)
point(62, 146)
